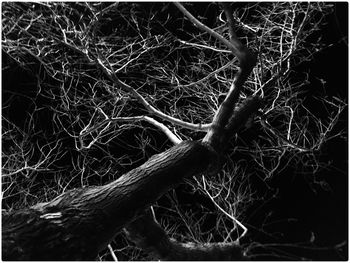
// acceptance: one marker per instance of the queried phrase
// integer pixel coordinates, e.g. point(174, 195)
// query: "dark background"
point(301, 208)
point(326, 212)
point(300, 211)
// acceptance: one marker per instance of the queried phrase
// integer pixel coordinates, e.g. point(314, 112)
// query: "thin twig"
point(107, 121)
point(112, 253)
point(245, 229)
point(152, 110)
point(236, 51)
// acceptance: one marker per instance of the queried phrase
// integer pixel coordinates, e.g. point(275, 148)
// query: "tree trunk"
point(79, 223)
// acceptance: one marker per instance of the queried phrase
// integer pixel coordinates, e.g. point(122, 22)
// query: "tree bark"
point(147, 234)
point(79, 223)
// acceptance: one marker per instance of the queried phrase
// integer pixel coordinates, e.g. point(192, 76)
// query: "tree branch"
point(81, 222)
point(147, 234)
point(108, 120)
point(247, 60)
point(235, 49)
point(152, 110)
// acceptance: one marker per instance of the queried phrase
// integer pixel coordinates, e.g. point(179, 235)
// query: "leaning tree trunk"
point(81, 222)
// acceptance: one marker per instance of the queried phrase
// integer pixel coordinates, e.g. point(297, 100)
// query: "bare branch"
point(235, 49)
point(112, 76)
point(149, 235)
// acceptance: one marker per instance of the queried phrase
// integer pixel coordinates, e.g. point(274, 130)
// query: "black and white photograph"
point(174, 131)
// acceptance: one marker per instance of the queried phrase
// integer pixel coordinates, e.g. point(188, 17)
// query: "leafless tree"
point(118, 77)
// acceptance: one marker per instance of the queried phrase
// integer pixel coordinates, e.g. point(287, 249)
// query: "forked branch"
point(247, 60)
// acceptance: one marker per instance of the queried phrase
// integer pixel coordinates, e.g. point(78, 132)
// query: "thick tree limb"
point(147, 234)
point(79, 223)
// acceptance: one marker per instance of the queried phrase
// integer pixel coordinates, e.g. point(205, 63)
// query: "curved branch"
point(235, 48)
point(152, 110)
point(147, 234)
point(171, 136)
point(107, 121)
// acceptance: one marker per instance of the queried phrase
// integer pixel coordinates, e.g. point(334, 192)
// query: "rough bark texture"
point(79, 223)
point(147, 234)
